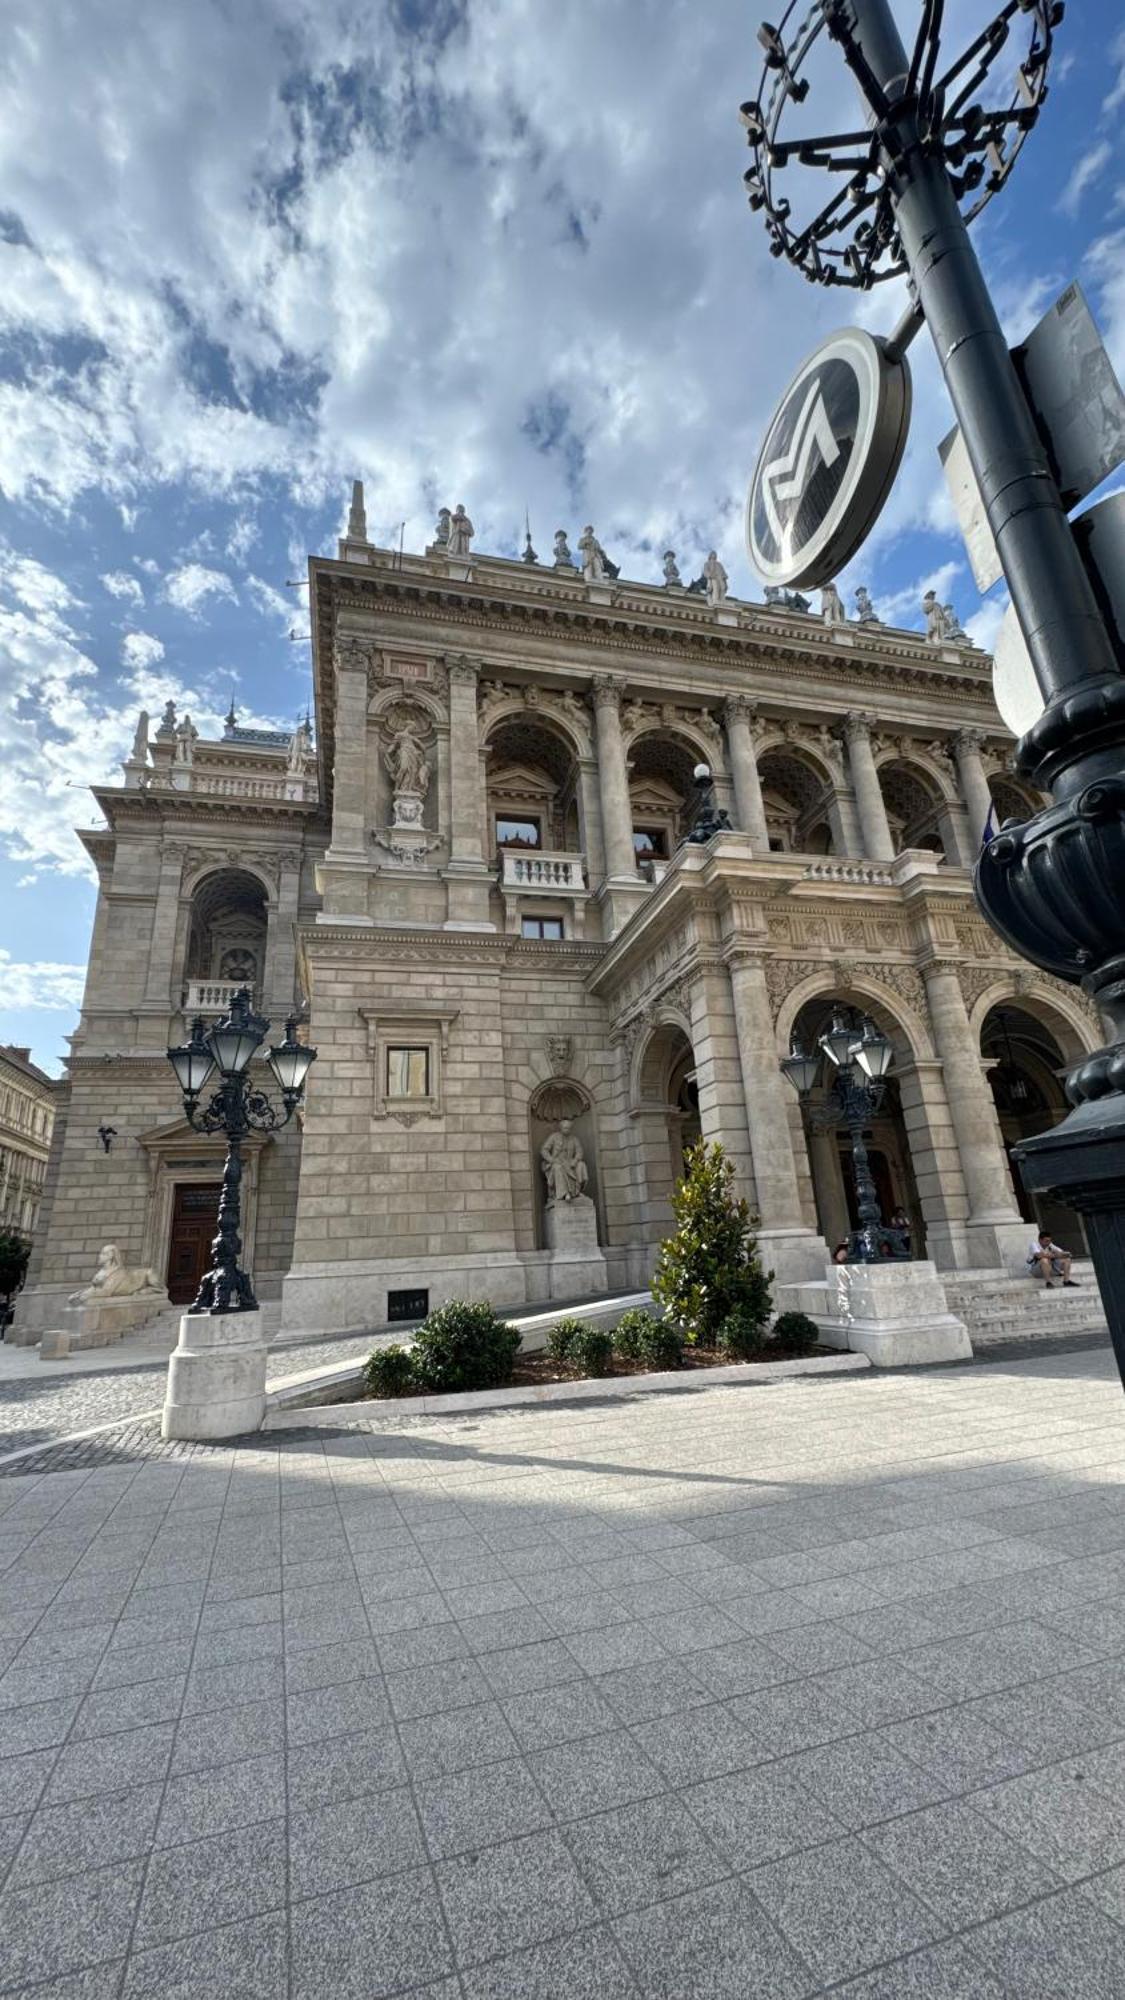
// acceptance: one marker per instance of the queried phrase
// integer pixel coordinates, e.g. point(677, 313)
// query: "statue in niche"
point(563, 557)
point(715, 577)
point(594, 568)
point(864, 609)
point(461, 533)
point(406, 762)
point(564, 1164)
point(114, 1279)
point(831, 607)
point(672, 578)
point(441, 532)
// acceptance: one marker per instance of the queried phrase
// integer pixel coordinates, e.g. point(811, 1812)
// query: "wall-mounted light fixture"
point(107, 1134)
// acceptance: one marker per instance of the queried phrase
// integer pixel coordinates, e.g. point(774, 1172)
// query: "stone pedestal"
point(216, 1377)
point(897, 1314)
point(111, 1319)
point(577, 1264)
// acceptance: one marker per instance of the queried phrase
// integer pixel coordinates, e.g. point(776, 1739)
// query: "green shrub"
point(710, 1265)
point(742, 1335)
point(15, 1249)
point(662, 1345)
point(632, 1332)
point(390, 1372)
point(462, 1346)
point(795, 1332)
point(591, 1351)
point(561, 1338)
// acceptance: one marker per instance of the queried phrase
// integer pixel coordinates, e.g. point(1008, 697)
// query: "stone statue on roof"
point(441, 532)
point(831, 608)
point(594, 566)
point(187, 735)
point(864, 609)
point(715, 577)
point(168, 720)
point(672, 578)
point(935, 619)
point(460, 533)
point(563, 557)
point(140, 738)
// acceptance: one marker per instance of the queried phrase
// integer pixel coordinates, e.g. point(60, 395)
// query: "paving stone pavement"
point(807, 1690)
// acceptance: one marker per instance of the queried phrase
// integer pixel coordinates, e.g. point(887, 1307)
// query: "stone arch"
point(917, 804)
point(661, 764)
point(226, 915)
point(197, 871)
point(897, 1017)
point(664, 1105)
point(701, 743)
point(798, 790)
point(1028, 1040)
point(930, 770)
point(1011, 799)
point(416, 696)
point(563, 713)
point(1063, 1016)
point(533, 770)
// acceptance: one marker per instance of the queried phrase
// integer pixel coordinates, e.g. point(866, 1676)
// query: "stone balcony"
point(211, 996)
point(528, 871)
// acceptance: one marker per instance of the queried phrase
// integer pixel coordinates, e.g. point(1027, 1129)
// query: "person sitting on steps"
point(1049, 1261)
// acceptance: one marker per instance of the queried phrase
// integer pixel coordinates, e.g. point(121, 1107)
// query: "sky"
point(480, 250)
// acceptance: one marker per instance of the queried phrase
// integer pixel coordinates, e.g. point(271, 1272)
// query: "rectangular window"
point(518, 833)
point(408, 1072)
point(650, 843)
point(542, 927)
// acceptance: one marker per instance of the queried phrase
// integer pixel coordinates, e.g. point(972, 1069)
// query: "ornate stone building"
point(27, 1114)
point(480, 891)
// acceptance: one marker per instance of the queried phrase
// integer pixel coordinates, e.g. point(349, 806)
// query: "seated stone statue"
point(114, 1279)
point(563, 1164)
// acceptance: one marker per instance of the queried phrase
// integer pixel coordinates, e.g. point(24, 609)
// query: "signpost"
point(939, 139)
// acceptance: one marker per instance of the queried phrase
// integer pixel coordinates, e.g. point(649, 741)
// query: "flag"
point(989, 827)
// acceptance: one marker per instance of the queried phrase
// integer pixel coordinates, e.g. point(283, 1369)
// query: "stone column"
point(789, 1246)
point(750, 813)
point(967, 746)
point(280, 972)
point(162, 944)
point(972, 1112)
point(349, 773)
point(613, 782)
point(877, 842)
point(464, 763)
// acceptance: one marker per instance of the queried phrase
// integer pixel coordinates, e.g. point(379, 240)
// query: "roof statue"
point(168, 720)
point(596, 565)
point(441, 532)
point(785, 600)
point(715, 577)
point(460, 533)
point(672, 578)
point(831, 606)
point(563, 557)
point(357, 514)
point(943, 627)
point(864, 609)
point(140, 738)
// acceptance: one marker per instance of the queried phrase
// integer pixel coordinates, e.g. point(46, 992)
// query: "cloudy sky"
point(490, 250)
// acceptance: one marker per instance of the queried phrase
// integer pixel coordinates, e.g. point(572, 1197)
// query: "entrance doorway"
point(195, 1211)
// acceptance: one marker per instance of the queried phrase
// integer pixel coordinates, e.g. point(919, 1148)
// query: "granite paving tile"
point(1063, 1945)
point(457, 1740)
point(700, 1743)
point(715, 1943)
point(584, 1966)
point(1057, 1814)
point(958, 1747)
point(960, 1865)
point(842, 1910)
point(353, 1841)
point(111, 1763)
point(759, 1815)
point(495, 1900)
point(946, 1971)
point(130, 1707)
point(227, 1735)
point(247, 1959)
point(23, 1685)
point(235, 1682)
point(558, 1715)
point(450, 1684)
point(548, 1663)
point(1108, 1892)
point(343, 1709)
point(162, 1661)
point(358, 1947)
point(480, 1806)
point(218, 1801)
point(594, 1775)
point(51, 1928)
point(64, 1840)
point(203, 1884)
point(36, 1725)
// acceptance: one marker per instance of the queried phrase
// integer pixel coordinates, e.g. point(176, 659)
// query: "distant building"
point(478, 891)
point(27, 1116)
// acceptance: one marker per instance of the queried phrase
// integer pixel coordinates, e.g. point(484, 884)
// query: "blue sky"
point(479, 250)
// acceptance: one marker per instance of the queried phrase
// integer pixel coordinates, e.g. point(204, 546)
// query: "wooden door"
point(195, 1212)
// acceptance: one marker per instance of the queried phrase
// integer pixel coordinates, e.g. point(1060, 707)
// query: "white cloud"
point(40, 984)
point(904, 607)
point(1085, 171)
point(191, 586)
point(141, 649)
point(119, 583)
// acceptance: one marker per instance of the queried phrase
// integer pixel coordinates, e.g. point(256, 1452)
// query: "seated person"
point(1049, 1261)
point(840, 1254)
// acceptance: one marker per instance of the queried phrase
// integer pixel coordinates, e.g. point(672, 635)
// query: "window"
point(408, 1072)
point(518, 833)
point(542, 927)
point(650, 843)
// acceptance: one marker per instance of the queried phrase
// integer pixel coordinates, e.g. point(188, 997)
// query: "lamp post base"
point(216, 1377)
point(1082, 1162)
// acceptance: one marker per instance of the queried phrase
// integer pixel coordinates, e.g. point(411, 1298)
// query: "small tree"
point(710, 1266)
point(14, 1253)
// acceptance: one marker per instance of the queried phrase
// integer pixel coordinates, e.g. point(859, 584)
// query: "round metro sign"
point(828, 461)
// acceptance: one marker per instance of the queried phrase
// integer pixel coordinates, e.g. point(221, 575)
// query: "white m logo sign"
point(785, 478)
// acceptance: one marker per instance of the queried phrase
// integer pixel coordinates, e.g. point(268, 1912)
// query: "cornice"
point(136, 807)
point(497, 949)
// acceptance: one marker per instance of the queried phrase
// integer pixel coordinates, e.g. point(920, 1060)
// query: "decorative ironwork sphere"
point(852, 239)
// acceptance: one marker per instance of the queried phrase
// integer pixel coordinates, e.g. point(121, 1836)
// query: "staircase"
point(996, 1307)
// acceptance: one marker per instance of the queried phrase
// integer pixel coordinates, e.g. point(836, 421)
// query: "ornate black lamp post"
point(236, 1107)
point(938, 141)
point(861, 1060)
point(709, 817)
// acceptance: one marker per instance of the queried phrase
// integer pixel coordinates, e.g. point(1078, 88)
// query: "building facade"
point(27, 1115)
point(479, 892)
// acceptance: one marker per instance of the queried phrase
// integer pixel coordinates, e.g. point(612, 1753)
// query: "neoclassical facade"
point(27, 1115)
point(479, 892)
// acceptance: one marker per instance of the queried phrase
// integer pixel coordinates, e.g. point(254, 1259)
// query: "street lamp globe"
point(192, 1061)
point(874, 1053)
point(291, 1060)
point(234, 1040)
point(800, 1069)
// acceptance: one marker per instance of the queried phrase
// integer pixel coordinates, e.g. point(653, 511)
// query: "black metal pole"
point(866, 1197)
point(1059, 616)
point(226, 1287)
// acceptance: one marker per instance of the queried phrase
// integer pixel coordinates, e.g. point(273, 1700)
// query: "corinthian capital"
point(607, 690)
point(969, 739)
point(739, 708)
point(462, 669)
point(857, 726)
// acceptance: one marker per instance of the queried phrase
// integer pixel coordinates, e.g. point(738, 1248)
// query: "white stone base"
point(897, 1314)
point(352, 1297)
point(216, 1377)
point(100, 1325)
point(793, 1255)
